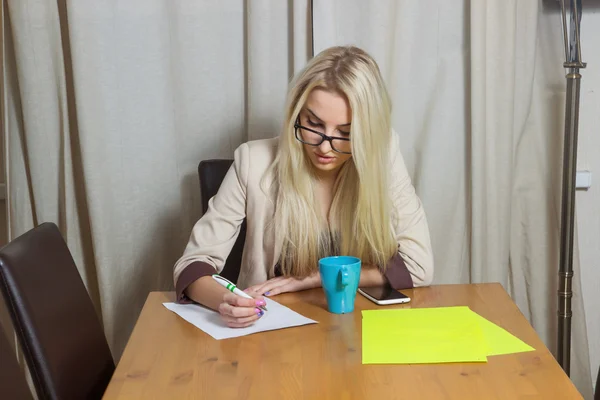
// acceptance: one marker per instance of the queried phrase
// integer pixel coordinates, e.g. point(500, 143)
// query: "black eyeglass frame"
point(324, 137)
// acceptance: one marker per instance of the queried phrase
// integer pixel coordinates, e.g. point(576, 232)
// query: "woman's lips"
point(324, 159)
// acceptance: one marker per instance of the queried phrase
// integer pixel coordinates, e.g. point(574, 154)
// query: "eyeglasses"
point(314, 138)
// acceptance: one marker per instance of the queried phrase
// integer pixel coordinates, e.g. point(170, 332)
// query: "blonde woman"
point(333, 183)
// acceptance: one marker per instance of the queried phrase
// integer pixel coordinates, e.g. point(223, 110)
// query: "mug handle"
point(344, 275)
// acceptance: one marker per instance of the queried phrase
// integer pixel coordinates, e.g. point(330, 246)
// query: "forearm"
point(371, 276)
point(207, 292)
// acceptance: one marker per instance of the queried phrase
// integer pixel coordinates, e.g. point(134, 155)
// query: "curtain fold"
point(277, 46)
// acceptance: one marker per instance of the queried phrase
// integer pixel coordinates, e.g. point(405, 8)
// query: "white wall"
point(588, 202)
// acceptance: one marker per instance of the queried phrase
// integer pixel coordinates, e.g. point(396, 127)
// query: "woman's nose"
point(325, 147)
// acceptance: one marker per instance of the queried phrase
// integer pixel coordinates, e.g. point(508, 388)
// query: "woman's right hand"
point(239, 312)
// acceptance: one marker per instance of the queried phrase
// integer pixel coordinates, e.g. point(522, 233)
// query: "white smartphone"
point(384, 295)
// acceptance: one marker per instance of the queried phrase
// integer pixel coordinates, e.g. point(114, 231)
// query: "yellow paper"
point(433, 335)
point(422, 335)
point(498, 340)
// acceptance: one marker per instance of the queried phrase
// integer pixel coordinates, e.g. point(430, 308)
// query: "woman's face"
point(328, 113)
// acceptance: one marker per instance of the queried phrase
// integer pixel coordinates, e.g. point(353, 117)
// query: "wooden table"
point(168, 358)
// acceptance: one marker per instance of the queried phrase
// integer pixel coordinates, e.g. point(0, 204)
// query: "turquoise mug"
point(339, 277)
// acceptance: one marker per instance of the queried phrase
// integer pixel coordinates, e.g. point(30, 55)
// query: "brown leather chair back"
point(12, 378)
point(55, 320)
point(211, 174)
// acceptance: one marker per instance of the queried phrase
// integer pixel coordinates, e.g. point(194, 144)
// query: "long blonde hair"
point(361, 206)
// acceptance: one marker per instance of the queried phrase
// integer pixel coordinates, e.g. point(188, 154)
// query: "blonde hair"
point(361, 206)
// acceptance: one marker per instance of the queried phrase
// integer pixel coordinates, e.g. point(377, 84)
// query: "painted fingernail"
point(261, 313)
point(267, 293)
point(258, 311)
point(261, 303)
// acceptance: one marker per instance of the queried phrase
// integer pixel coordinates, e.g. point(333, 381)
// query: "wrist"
point(315, 280)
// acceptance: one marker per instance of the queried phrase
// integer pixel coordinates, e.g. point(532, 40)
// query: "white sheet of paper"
point(277, 317)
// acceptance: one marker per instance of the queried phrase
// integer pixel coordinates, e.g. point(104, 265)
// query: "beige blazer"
point(241, 196)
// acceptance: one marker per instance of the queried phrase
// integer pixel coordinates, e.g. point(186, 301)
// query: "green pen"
point(233, 289)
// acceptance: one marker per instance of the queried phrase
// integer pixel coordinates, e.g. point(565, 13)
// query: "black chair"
point(211, 174)
point(12, 378)
point(56, 323)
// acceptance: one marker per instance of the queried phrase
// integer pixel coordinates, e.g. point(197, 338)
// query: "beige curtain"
point(478, 93)
point(111, 105)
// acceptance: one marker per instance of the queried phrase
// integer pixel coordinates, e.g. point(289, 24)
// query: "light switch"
point(583, 180)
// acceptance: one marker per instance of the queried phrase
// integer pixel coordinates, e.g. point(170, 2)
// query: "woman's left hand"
point(285, 284)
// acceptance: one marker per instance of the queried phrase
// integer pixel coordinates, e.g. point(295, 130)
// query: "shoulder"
point(395, 145)
point(396, 159)
point(253, 158)
point(264, 148)
point(256, 152)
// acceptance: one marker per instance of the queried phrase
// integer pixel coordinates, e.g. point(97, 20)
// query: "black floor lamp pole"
point(573, 64)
